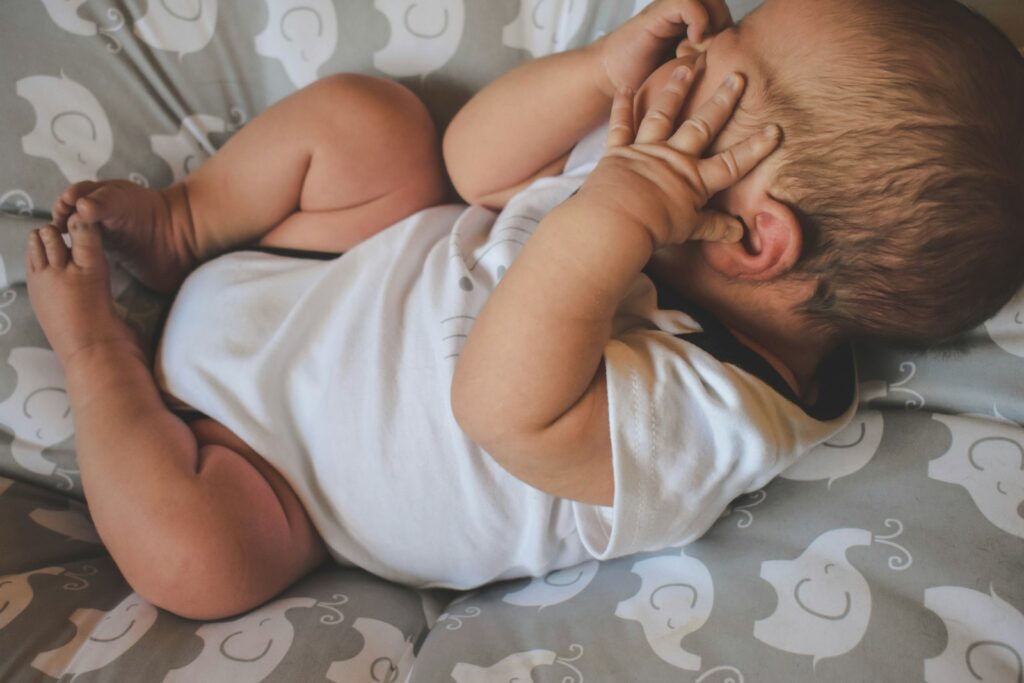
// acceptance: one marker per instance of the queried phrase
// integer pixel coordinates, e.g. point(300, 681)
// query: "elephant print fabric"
point(100, 638)
point(71, 130)
point(301, 34)
point(1007, 327)
point(424, 35)
point(178, 26)
point(190, 146)
point(892, 552)
point(545, 26)
point(987, 459)
point(37, 413)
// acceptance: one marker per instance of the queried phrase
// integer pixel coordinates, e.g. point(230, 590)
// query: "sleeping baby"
point(674, 236)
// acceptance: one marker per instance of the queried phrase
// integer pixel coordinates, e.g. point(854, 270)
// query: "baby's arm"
point(530, 386)
point(523, 125)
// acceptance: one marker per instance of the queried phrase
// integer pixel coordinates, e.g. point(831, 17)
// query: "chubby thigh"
point(264, 525)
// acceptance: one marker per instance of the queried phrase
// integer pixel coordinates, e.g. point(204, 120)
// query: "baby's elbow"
point(468, 413)
point(479, 419)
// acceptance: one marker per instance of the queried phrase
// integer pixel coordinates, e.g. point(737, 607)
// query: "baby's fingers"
point(620, 126)
point(729, 166)
point(716, 17)
point(718, 227)
point(660, 120)
point(699, 18)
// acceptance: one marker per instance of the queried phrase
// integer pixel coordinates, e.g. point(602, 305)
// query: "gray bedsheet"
point(893, 553)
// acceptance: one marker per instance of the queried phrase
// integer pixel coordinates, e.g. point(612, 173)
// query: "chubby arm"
point(524, 124)
point(530, 383)
point(529, 386)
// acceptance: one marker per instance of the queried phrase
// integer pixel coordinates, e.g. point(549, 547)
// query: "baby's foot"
point(143, 225)
point(70, 292)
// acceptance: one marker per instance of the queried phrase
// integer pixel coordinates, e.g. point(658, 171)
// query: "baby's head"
point(902, 158)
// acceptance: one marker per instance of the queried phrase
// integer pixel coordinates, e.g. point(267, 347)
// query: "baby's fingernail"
point(772, 131)
point(681, 74)
point(732, 82)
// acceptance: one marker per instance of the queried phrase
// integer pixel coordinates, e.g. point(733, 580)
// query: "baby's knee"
point(194, 582)
point(395, 129)
point(390, 107)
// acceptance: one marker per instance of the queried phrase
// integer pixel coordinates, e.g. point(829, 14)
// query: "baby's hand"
point(627, 55)
point(659, 183)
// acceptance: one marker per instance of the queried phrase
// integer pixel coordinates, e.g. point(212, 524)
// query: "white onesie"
point(338, 372)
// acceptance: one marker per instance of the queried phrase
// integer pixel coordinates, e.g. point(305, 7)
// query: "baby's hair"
point(903, 158)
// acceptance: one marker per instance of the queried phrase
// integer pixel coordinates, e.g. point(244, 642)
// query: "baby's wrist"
point(596, 69)
point(601, 208)
point(609, 225)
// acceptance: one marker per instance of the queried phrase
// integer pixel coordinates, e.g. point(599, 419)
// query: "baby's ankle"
point(102, 358)
point(183, 235)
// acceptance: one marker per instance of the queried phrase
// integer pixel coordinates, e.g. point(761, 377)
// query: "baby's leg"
point(196, 521)
point(322, 169)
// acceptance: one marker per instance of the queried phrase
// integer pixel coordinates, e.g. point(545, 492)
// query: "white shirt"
point(339, 372)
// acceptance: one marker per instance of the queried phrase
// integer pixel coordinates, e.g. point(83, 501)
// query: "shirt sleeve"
point(689, 434)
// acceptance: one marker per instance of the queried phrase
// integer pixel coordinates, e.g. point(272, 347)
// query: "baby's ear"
point(770, 247)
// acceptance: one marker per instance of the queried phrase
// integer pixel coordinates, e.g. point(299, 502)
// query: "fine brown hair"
point(903, 159)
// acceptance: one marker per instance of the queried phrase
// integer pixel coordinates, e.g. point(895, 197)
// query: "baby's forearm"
point(523, 121)
point(539, 341)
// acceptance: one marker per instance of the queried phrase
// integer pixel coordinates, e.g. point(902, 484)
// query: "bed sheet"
point(893, 552)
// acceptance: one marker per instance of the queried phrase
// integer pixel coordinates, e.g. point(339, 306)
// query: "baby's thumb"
point(718, 227)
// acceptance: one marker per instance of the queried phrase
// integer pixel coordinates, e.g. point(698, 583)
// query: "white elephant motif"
point(64, 13)
point(1007, 327)
point(824, 603)
point(844, 454)
point(675, 599)
point(545, 26)
point(424, 35)
point(190, 146)
point(555, 588)
point(38, 412)
point(181, 26)
point(72, 129)
point(100, 638)
point(386, 655)
point(985, 637)
point(244, 649)
point(986, 457)
point(517, 667)
point(16, 593)
point(302, 34)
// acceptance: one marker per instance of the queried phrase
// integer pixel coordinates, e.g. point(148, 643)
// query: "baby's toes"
point(61, 210)
point(53, 246)
point(64, 205)
point(86, 245)
point(104, 202)
point(36, 252)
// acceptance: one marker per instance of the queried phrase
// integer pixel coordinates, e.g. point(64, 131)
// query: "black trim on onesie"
point(294, 253)
point(836, 373)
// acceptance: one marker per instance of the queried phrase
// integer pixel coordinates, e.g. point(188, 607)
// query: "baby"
point(450, 403)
